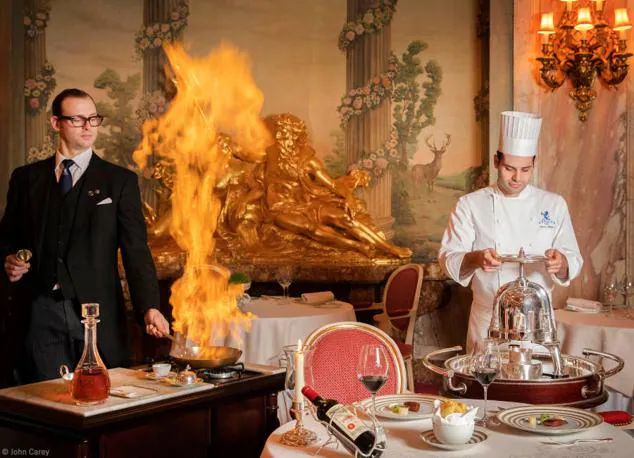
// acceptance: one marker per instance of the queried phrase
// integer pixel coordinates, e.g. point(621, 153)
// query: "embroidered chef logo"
point(546, 220)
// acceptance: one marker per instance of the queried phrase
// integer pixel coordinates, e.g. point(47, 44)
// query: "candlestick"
point(299, 374)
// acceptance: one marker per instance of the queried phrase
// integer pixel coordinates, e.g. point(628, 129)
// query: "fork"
point(577, 441)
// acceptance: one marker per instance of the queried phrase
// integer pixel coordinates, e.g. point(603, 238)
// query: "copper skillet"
point(214, 356)
point(224, 356)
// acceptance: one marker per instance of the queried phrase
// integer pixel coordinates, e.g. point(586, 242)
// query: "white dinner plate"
point(384, 402)
point(478, 437)
point(577, 420)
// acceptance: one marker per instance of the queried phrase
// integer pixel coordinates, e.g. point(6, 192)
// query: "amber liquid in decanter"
point(91, 382)
point(90, 385)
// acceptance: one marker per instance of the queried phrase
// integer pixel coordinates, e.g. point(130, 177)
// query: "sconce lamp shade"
point(584, 19)
point(547, 25)
point(621, 20)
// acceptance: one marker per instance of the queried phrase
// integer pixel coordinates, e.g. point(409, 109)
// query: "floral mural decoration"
point(37, 154)
point(152, 105)
point(376, 163)
point(361, 100)
point(38, 89)
point(154, 36)
point(35, 22)
point(373, 20)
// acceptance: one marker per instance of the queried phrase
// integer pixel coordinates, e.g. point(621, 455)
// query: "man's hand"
point(487, 260)
point(155, 323)
point(14, 268)
point(556, 264)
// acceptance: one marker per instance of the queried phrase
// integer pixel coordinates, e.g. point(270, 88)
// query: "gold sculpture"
point(285, 205)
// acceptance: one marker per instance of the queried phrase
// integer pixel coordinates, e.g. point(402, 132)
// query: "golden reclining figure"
point(286, 205)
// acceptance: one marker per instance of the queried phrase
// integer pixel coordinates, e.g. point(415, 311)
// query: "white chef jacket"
point(535, 220)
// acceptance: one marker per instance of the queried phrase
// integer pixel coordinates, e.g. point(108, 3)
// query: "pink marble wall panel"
point(581, 161)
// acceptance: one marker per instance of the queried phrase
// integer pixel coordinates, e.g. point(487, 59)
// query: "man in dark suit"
point(73, 212)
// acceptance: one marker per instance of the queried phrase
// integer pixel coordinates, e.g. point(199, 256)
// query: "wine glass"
point(284, 276)
point(610, 291)
point(486, 365)
point(372, 369)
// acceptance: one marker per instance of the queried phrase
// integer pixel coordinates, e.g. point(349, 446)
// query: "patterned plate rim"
point(397, 398)
point(527, 259)
point(591, 419)
point(477, 434)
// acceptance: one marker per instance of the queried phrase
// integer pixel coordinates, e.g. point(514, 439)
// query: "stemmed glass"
point(610, 292)
point(372, 369)
point(486, 365)
point(284, 276)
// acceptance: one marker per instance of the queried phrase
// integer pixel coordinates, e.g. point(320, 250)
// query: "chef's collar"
point(524, 194)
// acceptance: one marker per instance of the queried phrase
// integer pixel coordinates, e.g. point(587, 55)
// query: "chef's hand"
point(488, 260)
point(14, 268)
point(155, 323)
point(556, 263)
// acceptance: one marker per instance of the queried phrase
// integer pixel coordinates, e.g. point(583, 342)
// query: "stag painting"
point(427, 173)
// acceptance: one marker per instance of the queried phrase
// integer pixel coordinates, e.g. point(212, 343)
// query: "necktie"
point(66, 180)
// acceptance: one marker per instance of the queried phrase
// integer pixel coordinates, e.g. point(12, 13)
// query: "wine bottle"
point(343, 422)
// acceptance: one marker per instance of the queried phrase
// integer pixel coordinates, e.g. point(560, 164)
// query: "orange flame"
point(214, 94)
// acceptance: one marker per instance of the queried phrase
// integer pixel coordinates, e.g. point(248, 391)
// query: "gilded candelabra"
point(583, 46)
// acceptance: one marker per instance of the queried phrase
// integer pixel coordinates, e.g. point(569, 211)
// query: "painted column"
point(154, 61)
point(365, 58)
point(36, 122)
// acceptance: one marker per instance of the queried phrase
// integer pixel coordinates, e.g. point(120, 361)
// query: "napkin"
point(131, 391)
point(576, 304)
point(454, 418)
point(318, 298)
point(616, 417)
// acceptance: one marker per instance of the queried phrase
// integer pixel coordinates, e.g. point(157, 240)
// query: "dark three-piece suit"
point(74, 238)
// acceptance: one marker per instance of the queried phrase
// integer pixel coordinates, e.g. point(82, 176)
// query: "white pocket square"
point(107, 200)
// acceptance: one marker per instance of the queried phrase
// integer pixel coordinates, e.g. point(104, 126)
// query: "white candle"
point(299, 374)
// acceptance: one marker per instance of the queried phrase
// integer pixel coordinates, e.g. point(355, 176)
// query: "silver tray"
point(526, 259)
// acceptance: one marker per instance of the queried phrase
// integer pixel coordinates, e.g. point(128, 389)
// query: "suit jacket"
point(98, 232)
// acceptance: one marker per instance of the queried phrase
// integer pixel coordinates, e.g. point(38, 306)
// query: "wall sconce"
point(582, 46)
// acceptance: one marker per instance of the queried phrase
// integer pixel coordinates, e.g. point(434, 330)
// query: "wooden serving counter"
point(233, 419)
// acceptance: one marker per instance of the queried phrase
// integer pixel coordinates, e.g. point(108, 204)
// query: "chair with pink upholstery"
point(400, 305)
point(334, 361)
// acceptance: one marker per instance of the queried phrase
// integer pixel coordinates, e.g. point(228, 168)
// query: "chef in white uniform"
point(501, 219)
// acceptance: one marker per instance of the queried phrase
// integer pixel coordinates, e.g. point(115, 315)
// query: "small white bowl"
point(452, 434)
point(161, 369)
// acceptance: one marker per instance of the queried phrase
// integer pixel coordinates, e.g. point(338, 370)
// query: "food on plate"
point(547, 420)
point(413, 406)
point(448, 407)
point(399, 409)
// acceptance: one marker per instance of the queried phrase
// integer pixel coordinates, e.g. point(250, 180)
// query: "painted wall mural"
point(420, 76)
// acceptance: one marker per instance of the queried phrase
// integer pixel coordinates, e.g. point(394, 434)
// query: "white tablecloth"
point(403, 440)
point(281, 322)
point(608, 332)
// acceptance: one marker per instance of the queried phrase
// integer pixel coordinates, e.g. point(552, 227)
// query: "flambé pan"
point(185, 351)
point(223, 356)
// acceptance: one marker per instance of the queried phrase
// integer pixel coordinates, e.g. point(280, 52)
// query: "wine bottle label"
point(347, 421)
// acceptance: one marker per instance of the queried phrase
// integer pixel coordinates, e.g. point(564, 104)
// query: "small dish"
point(478, 437)
point(384, 403)
point(153, 376)
point(174, 381)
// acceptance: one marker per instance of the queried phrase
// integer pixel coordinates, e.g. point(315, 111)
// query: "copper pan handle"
point(449, 373)
point(609, 373)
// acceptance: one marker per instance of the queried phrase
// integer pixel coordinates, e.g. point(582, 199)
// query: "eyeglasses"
point(80, 121)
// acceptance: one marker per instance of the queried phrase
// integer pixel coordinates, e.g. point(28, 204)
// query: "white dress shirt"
point(535, 220)
point(80, 165)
